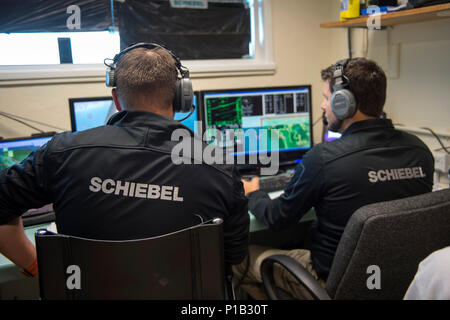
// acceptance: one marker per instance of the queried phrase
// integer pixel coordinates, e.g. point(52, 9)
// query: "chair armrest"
point(297, 270)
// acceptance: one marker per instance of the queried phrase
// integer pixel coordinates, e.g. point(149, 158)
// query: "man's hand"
point(250, 185)
point(15, 245)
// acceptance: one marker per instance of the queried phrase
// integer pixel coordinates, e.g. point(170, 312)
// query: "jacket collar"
point(367, 125)
point(144, 119)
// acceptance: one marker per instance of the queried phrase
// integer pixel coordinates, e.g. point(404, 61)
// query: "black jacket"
point(371, 162)
point(119, 182)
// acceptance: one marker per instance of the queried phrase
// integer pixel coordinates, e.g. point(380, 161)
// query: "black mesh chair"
point(187, 264)
point(394, 236)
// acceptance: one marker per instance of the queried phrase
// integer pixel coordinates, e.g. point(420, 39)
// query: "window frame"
point(262, 60)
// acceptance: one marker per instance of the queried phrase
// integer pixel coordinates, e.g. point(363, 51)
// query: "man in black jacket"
point(119, 181)
point(371, 162)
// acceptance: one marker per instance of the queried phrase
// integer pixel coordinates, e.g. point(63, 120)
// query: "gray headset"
point(184, 95)
point(343, 102)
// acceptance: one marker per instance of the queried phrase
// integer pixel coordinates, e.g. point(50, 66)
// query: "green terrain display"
point(292, 132)
point(10, 157)
point(224, 111)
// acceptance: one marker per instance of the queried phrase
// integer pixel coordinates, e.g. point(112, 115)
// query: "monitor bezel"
point(32, 137)
point(72, 102)
point(285, 157)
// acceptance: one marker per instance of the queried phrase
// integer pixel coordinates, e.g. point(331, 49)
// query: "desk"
point(293, 236)
point(13, 284)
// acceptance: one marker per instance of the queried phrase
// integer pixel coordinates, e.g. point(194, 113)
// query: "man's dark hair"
point(151, 73)
point(367, 82)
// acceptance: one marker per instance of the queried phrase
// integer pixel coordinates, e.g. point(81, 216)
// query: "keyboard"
point(41, 215)
point(276, 182)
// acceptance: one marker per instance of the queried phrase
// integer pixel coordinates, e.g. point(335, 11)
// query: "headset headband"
point(183, 70)
point(343, 102)
point(340, 80)
point(184, 95)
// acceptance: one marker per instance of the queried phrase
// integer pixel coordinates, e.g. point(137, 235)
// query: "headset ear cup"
point(343, 104)
point(110, 80)
point(177, 97)
point(184, 96)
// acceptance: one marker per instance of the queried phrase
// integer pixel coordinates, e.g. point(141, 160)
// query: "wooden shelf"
point(395, 18)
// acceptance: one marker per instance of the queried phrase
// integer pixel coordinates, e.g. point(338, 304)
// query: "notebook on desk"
point(14, 151)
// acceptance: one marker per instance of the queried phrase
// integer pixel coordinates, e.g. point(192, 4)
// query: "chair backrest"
point(187, 264)
point(393, 236)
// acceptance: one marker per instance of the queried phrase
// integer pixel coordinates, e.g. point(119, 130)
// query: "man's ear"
point(116, 100)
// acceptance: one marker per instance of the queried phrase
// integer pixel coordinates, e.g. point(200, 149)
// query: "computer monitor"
point(14, 151)
point(17, 149)
point(287, 109)
point(88, 113)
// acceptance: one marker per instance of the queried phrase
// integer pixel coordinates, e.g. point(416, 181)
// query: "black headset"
point(343, 102)
point(184, 95)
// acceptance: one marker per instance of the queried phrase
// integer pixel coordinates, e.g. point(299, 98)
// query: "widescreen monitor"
point(88, 113)
point(280, 114)
point(14, 151)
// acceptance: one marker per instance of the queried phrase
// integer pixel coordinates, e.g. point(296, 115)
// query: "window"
point(36, 54)
point(42, 48)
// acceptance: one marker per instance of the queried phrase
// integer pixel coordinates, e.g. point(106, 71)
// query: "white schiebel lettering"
point(396, 174)
point(135, 189)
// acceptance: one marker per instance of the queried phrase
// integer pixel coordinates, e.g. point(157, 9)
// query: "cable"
point(439, 149)
point(349, 41)
point(192, 111)
point(366, 43)
point(38, 122)
point(434, 134)
point(22, 122)
point(317, 121)
point(438, 139)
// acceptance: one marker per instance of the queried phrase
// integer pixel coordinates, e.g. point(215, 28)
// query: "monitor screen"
point(15, 150)
point(262, 115)
point(88, 113)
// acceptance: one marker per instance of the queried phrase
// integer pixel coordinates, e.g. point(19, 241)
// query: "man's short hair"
point(148, 73)
point(367, 82)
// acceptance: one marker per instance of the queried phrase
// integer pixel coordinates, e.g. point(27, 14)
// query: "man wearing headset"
point(371, 162)
point(118, 182)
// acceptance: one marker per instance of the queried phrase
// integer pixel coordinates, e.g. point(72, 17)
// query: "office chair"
point(187, 264)
point(394, 236)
